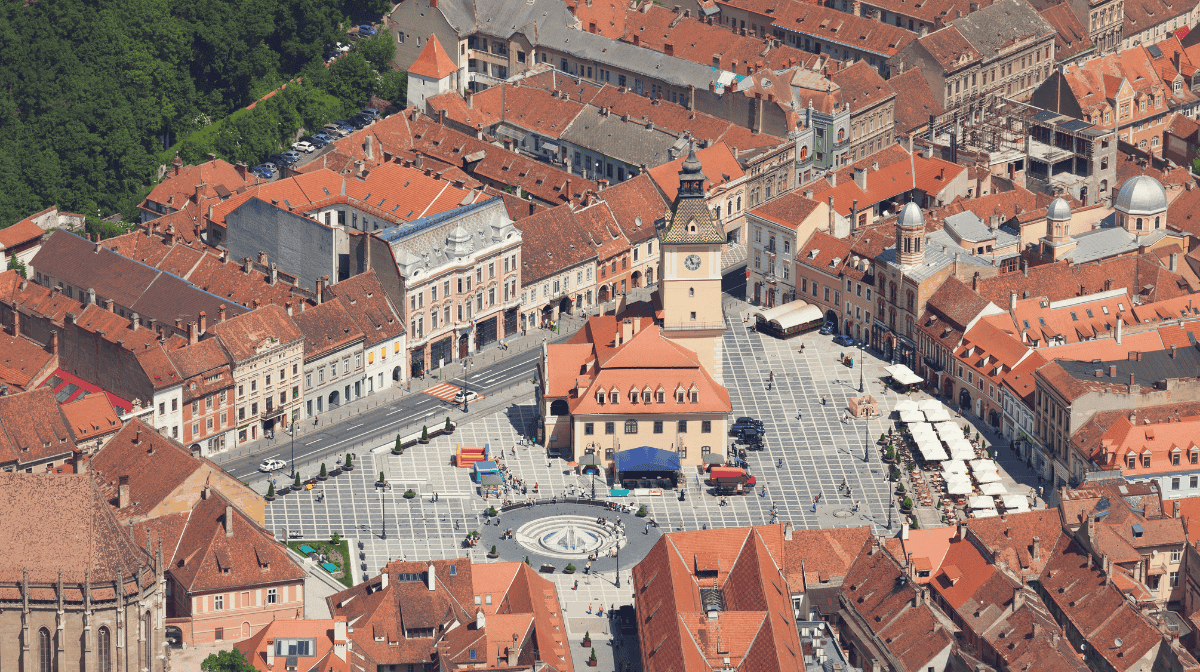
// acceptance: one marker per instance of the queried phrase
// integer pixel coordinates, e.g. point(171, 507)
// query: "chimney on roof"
point(262, 257)
point(1174, 256)
point(135, 321)
point(832, 214)
point(54, 342)
point(178, 163)
point(288, 307)
point(200, 189)
point(339, 637)
point(179, 324)
point(480, 619)
point(203, 322)
point(228, 520)
point(1120, 322)
point(854, 214)
point(137, 438)
point(369, 147)
point(1133, 386)
point(860, 178)
point(975, 281)
point(246, 264)
point(1037, 630)
point(1172, 352)
point(1037, 548)
point(242, 171)
point(918, 596)
point(16, 323)
point(274, 274)
point(123, 489)
point(1012, 301)
point(193, 333)
point(787, 531)
point(108, 305)
point(91, 296)
point(514, 652)
point(359, 167)
point(1018, 600)
point(430, 578)
point(832, 179)
point(221, 313)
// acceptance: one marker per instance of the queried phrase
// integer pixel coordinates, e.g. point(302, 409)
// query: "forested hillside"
point(90, 91)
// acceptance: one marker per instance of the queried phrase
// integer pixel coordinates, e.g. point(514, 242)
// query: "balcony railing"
point(692, 326)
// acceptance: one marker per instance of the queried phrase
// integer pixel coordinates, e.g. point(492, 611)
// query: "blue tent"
point(647, 459)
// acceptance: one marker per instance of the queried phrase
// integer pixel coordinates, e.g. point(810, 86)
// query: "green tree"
point(15, 264)
point(226, 661)
point(393, 87)
point(352, 80)
point(379, 50)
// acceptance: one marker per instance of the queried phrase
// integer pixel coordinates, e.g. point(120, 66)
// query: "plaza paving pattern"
point(815, 449)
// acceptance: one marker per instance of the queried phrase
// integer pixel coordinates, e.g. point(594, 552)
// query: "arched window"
point(631, 426)
point(45, 656)
point(559, 407)
point(1139, 223)
point(739, 204)
point(909, 299)
point(804, 153)
point(104, 649)
point(893, 292)
point(1156, 222)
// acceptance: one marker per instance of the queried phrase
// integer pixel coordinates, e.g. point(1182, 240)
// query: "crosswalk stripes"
point(444, 391)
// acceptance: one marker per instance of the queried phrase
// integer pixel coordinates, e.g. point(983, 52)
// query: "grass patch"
point(338, 554)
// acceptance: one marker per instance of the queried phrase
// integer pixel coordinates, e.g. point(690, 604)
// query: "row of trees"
point(91, 92)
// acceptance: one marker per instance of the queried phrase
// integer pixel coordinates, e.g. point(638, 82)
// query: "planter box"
point(587, 643)
point(346, 467)
point(591, 663)
point(322, 478)
point(270, 498)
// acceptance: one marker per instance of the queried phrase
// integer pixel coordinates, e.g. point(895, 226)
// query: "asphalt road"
point(385, 421)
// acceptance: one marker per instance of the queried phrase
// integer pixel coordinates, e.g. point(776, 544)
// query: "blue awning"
point(647, 459)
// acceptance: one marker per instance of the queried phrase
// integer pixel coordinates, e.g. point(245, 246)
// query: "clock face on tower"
point(692, 262)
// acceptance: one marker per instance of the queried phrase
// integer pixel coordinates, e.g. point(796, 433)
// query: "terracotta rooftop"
point(917, 103)
point(23, 363)
point(363, 299)
point(243, 336)
point(433, 62)
point(91, 417)
point(326, 328)
point(60, 522)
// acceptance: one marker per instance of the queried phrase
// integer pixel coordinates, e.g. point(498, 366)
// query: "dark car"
point(345, 124)
point(745, 423)
point(366, 30)
point(750, 435)
point(263, 172)
point(826, 329)
point(371, 112)
point(843, 340)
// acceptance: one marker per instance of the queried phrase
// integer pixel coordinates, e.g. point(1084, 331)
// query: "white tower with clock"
point(691, 240)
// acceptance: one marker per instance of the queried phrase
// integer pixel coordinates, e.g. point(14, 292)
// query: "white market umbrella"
point(993, 489)
point(1015, 502)
point(980, 502)
point(958, 486)
point(987, 477)
point(937, 415)
point(954, 467)
point(911, 417)
point(928, 404)
point(906, 405)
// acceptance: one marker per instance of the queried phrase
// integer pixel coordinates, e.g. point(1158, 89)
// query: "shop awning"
point(550, 147)
point(906, 405)
point(903, 375)
point(647, 459)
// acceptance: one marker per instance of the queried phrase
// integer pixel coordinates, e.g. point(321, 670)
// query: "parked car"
point(271, 465)
point(345, 125)
point(371, 112)
point(752, 436)
point(274, 168)
point(335, 130)
point(302, 146)
point(843, 340)
point(826, 329)
point(263, 172)
point(744, 423)
point(463, 396)
point(366, 30)
point(324, 136)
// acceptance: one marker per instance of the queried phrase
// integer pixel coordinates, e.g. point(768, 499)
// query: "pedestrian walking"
point(815, 500)
point(647, 531)
point(798, 416)
point(855, 506)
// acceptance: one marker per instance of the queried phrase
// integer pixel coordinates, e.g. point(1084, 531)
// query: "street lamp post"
point(860, 365)
point(292, 434)
point(891, 506)
point(618, 562)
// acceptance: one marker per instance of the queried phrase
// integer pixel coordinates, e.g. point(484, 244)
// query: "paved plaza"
point(809, 451)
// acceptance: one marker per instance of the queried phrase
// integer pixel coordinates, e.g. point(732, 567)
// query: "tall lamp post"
point(860, 365)
point(590, 460)
point(292, 434)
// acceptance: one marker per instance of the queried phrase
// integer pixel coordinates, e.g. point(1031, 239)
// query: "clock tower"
point(691, 239)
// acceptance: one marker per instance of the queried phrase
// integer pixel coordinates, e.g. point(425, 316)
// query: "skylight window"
point(1089, 313)
point(1074, 317)
point(1105, 309)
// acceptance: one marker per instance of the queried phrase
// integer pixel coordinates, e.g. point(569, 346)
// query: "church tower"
point(690, 243)
point(910, 235)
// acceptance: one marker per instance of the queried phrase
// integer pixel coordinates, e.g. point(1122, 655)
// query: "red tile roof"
point(60, 523)
point(917, 103)
point(23, 363)
point(91, 417)
point(242, 336)
point(364, 300)
point(32, 428)
point(209, 558)
point(326, 328)
point(321, 630)
point(1070, 36)
point(22, 232)
point(433, 61)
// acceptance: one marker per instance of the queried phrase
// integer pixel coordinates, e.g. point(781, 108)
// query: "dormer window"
point(660, 396)
point(679, 396)
point(1131, 461)
point(600, 397)
point(633, 396)
point(614, 397)
point(695, 397)
point(646, 396)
